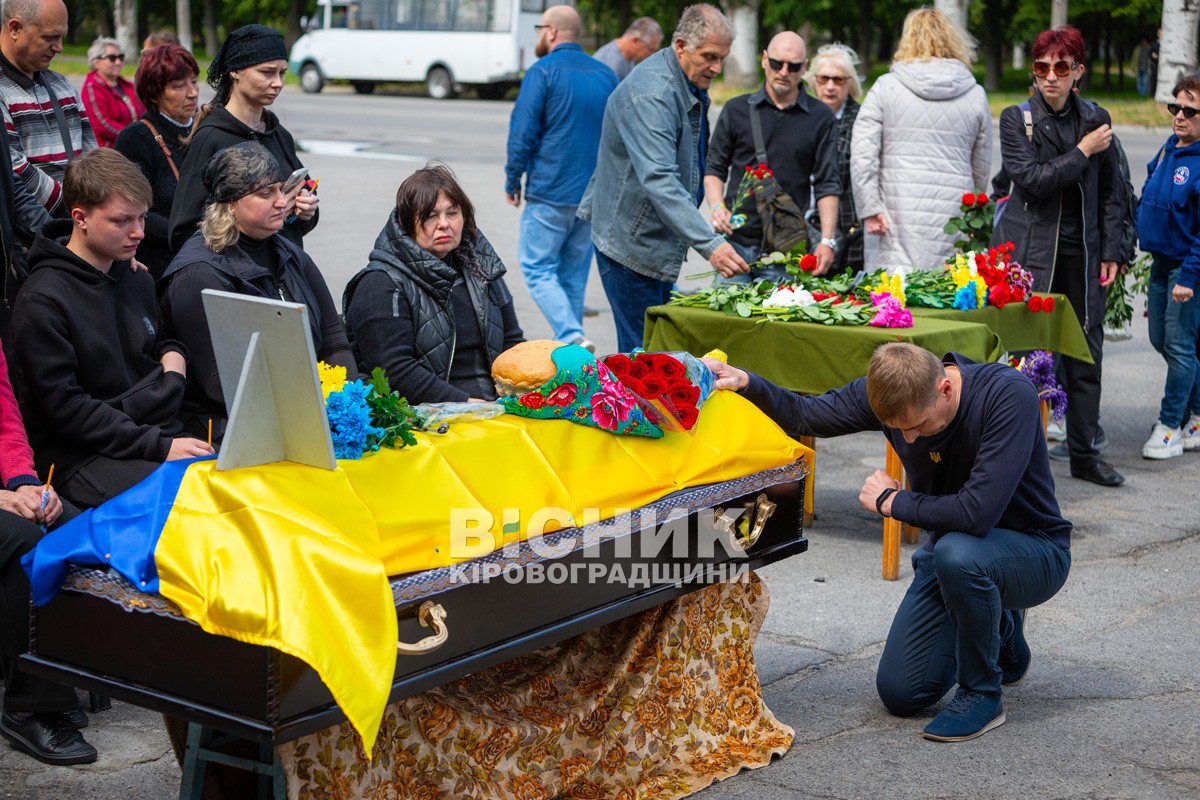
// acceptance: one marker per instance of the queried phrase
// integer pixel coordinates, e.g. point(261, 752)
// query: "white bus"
point(447, 44)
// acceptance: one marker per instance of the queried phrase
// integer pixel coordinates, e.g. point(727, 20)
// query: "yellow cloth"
point(297, 558)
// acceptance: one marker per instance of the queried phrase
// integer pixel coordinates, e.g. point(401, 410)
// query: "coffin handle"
point(431, 615)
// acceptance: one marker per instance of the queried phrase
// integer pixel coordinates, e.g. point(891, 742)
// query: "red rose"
point(968, 199)
point(688, 416)
point(1048, 304)
point(564, 395)
point(669, 367)
point(808, 262)
point(654, 387)
point(682, 393)
point(1035, 304)
point(981, 200)
point(532, 400)
point(639, 368)
point(634, 385)
point(619, 364)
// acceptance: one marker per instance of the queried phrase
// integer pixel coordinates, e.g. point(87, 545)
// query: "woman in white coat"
point(923, 139)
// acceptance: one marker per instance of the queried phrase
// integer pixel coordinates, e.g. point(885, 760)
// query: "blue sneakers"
point(968, 715)
point(1014, 654)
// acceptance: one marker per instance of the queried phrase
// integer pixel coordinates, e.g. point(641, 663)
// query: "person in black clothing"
point(970, 439)
point(800, 143)
point(167, 85)
point(247, 74)
point(1065, 216)
point(239, 248)
point(432, 308)
point(103, 384)
point(22, 218)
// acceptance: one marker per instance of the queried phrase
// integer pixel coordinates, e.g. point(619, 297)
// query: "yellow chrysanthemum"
point(332, 378)
point(893, 285)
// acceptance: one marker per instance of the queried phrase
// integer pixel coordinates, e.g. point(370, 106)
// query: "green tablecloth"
point(804, 356)
point(1021, 329)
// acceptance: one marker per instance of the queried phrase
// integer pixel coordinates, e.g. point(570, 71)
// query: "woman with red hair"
point(167, 83)
point(1065, 216)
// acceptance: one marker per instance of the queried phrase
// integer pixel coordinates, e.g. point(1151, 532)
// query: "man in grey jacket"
point(643, 199)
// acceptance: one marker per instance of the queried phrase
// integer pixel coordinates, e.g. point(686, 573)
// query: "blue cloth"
point(958, 611)
point(1168, 215)
point(554, 131)
point(630, 294)
point(121, 534)
point(1174, 328)
point(988, 469)
point(642, 197)
point(555, 251)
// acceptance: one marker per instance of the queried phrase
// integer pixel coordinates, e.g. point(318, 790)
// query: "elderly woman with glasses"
point(109, 99)
point(833, 77)
point(1065, 217)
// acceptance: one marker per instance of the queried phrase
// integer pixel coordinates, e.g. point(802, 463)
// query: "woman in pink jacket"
point(109, 99)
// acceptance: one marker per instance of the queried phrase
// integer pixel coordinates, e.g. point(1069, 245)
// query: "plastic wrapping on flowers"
point(1038, 366)
point(670, 387)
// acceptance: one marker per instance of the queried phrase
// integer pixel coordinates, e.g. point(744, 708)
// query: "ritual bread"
point(524, 367)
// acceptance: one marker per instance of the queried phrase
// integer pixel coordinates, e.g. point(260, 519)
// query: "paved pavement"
point(1111, 706)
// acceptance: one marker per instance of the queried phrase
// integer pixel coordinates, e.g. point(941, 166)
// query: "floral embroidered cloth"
point(655, 706)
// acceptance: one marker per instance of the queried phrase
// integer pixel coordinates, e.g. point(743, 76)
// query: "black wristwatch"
point(884, 495)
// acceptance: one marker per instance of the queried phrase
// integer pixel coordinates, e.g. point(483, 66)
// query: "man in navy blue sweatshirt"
point(970, 438)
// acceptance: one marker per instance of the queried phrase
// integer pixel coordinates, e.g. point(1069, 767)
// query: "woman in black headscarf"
point(247, 75)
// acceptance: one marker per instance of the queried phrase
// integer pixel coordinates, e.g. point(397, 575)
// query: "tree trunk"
point(183, 23)
point(956, 10)
point(1058, 13)
point(125, 17)
point(296, 9)
point(211, 42)
point(993, 44)
point(866, 11)
point(1177, 50)
point(741, 68)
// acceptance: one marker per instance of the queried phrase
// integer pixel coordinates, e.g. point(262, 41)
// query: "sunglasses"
point(793, 66)
point(836, 79)
point(1188, 112)
point(539, 27)
point(1061, 68)
point(112, 57)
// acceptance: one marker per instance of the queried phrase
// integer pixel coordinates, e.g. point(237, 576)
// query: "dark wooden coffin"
point(101, 634)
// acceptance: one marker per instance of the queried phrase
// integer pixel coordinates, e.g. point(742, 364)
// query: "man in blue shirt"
point(970, 439)
point(552, 140)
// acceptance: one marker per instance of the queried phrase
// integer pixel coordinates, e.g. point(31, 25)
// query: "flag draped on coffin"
point(297, 558)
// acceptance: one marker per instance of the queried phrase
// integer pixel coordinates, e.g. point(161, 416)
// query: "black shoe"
point(1060, 451)
point(47, 737)
point(1100, 472)
point(588, 311)
point(77, 718)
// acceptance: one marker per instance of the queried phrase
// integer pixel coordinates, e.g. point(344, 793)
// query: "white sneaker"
point(1191, 433)
point(1055, 432)
point(586, 344)
point(1163, 443)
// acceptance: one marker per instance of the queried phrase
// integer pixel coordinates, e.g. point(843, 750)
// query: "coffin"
point(103, 635)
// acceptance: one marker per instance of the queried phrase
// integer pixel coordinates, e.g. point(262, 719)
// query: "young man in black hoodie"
point(103, 386)
point(970, 439)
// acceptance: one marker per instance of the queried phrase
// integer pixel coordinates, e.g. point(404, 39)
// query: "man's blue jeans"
point(555, 252)
point(765, 272)
point(958, 611)
point(1174, 328)
point(630, 294)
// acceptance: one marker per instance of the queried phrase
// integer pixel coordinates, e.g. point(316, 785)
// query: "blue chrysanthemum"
point(350, 420)
point(967, 297)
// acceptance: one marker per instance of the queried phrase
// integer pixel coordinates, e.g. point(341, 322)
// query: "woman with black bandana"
point(247, 74)
point(239, 248)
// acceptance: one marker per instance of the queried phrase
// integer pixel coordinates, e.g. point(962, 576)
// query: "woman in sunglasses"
point(1169, 229)
point(109, 99)
point(923, 139)
point(1065, 216)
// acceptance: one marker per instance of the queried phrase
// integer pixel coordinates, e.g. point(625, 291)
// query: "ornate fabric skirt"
point(657, 705)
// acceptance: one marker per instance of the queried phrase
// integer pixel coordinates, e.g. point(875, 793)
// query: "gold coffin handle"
point(431, 615)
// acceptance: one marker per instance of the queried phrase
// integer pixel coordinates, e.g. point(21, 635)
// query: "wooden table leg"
point(891, 527)
point(811, 443)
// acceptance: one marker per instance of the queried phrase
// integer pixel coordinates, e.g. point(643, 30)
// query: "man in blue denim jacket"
point(552, 139)
point(643, 200)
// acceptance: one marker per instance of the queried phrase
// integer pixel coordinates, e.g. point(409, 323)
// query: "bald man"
point(42, 142)
point(553, 137)
point(799, 135)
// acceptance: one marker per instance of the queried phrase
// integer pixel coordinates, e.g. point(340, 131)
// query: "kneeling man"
point(102, 384)
point(970, 438)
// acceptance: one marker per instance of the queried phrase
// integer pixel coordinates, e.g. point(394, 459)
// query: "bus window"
point(472, 15)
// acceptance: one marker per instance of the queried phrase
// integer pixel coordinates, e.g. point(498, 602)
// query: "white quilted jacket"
point(922, 140)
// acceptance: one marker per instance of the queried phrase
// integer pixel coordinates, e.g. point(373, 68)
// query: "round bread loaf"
point(524, 367)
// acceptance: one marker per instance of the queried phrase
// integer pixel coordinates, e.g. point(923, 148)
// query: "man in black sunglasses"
point(1066, 216)
point(800, 147)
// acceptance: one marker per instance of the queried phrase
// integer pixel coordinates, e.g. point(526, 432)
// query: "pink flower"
point(564, 395)
point(890, 314)
point(609, 410)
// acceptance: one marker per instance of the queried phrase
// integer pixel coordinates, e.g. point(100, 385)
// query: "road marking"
point(333, 147)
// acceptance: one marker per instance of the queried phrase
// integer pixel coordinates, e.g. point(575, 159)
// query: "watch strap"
point(883, 496)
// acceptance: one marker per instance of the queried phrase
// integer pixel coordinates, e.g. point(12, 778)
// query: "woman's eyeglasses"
point(112, 57)
point(1061, 68)
point(838, 80)
point(1188, 111)
point(793, 66)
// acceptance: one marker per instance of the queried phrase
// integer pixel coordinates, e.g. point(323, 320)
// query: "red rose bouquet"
point(669, 387)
